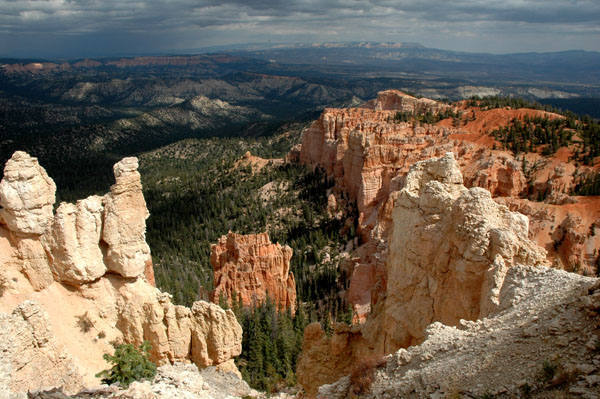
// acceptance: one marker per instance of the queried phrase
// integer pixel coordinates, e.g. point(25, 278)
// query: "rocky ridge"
point(252, 268)
point(541, 343)
point(75, 281)
point(179, 380)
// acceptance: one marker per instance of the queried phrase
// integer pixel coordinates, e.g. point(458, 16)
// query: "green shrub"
point(129, 364)
point(548, 370)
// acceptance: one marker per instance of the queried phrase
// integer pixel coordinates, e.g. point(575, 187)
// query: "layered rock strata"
point(251, 268)
point(75, 281)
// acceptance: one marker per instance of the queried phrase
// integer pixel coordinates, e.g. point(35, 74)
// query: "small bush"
point(84, 322)
point(363, 374)
point(548, 370)
point(129, 364)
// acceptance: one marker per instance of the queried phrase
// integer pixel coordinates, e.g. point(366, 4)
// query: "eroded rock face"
point(125, 215)
point(30, 353)
point(27, 195)
point(252, 267)
point(78, 257)
point(216, 337)
point(547, 316)
point(369, 154)
point(570, 232)
point(90, 274)
point(326, 359)
point(205, 334)
point(449, 252)
point(395, 100)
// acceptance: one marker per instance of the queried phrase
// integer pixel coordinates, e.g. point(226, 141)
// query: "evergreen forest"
point(197, 191)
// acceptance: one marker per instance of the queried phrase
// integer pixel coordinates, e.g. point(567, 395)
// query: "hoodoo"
point(75, 281)
point(251, 268)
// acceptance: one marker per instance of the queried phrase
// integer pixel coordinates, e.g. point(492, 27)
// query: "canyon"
point(464, 284)
point(368, 154)
point(463, 259)
point(433, 249)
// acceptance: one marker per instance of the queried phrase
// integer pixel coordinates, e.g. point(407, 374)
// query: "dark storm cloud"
point(206, 22)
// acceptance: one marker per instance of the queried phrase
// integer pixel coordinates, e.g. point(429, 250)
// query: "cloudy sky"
point(73, 28)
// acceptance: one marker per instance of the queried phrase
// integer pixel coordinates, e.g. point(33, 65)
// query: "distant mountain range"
point(412, 58)
point(368, 60)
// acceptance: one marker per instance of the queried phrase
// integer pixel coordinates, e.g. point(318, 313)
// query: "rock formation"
point(179, 380)
point(30, 353)
point(255, 163)
point(395, 100)
point(74, 281)
point(253, 268)
point(541, 344)
point(449, 252)
point(368, 154)
point(76, 231)
point(125, 215)
point(27, 195)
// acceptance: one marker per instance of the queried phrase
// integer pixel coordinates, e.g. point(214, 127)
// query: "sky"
point(83, 28)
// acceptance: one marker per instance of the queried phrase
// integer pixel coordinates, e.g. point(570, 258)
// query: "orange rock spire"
point(253, 268)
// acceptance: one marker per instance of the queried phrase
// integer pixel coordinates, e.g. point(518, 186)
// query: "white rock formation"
point(548, 321)
point(76, 231)
point(125, 215)
point(27, 195)
point(83, 268)
point(448, 254)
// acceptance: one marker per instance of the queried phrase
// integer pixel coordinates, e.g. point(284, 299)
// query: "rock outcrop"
point(542, 344)
point(395, 100)
point(75, 281)
point(76, 232)
point(26, 195)
point(252, 268)
point(30, 353)
point(569, 232)
point(449, 252)
point(368, 154)
point(125, 215)
point(179, 380)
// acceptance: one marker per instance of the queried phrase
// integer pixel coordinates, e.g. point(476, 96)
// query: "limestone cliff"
point(253, 268)
point(449, 252)
point(74, 281)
